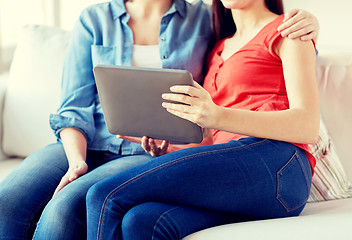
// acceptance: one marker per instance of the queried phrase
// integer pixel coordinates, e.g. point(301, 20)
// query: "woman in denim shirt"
point(86, 152)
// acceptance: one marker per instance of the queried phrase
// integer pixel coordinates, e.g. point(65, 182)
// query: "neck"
point(252, 17)
point(147, 8)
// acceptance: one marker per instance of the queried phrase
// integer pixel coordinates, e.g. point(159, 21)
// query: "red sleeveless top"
point(252, 79)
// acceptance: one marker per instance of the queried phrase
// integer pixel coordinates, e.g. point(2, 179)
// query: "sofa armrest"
point(3, 84)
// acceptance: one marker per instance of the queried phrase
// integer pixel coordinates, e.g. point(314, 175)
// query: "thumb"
point(197, 85)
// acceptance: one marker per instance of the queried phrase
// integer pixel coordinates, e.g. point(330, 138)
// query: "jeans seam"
point(34, 213)
point(125, 184)
point(159, 219)
point(278, 185)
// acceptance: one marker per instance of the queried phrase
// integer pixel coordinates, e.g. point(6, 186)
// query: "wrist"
point(172, 148)
point(76, 161)
point(218, 116)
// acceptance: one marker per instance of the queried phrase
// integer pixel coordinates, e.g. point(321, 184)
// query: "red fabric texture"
point(252, 79)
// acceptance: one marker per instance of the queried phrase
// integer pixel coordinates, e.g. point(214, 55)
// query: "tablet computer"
point(131, 101)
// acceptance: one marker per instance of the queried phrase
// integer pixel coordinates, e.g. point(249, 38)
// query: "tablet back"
point(131, 101)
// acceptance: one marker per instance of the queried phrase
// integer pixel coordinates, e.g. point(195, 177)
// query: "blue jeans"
point(182, 192)
point(26, 194)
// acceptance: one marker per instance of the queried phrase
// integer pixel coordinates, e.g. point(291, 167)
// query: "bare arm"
point(300, 123)
point(75, 146)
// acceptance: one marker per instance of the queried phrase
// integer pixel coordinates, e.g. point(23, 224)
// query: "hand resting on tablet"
point(157, 147)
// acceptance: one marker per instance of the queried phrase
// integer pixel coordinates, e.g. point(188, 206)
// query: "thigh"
point(76, 190)
point(36, 178)
point(231, 177)
point(64, 217)
point(164, 221)
point(28, 188)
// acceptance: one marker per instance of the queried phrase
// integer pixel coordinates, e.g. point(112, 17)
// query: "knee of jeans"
point(150, 224)
point(135, 219)
point(95, 195)
point(8, 206)
point(63, 210)
point(62, 219)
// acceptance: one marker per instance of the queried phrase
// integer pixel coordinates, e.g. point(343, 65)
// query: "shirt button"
point(162, 38)
point(164, 21)
point(164, 57)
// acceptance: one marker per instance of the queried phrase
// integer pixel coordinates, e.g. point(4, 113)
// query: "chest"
point(250, 71)
point(233, 45)
point(145, 31)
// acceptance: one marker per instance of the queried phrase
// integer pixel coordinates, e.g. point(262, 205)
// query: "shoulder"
point(272, 38)
point(288, 48)
point(271, 33)
point(197, 9)
point(97, 13)
point(97, 9)
point(199, 5)
point(96, 17)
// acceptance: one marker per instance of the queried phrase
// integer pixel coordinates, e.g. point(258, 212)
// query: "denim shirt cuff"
point(59, 122)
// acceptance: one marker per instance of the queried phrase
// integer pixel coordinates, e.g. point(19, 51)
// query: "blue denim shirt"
point(102, 36)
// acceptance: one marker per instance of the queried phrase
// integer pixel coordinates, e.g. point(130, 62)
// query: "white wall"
point(71, 9)
point(335, 18)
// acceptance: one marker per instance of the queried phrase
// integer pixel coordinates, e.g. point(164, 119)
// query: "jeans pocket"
point(293, 184)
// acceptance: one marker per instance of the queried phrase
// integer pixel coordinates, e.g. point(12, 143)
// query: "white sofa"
point(30, 92)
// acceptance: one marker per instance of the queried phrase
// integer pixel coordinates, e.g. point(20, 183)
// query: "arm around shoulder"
point(299, 123)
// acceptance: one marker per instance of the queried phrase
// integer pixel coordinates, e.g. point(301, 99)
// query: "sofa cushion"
point(330, 180)
point(7, 165)
point(319, 220)
point(33, 89)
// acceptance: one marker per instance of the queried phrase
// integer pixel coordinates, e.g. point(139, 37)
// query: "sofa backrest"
point(33, 89)
point(334, 75)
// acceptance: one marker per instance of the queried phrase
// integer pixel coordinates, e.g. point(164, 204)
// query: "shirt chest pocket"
point(105, 55)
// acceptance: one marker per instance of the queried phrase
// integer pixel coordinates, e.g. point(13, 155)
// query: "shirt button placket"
point(163, 38)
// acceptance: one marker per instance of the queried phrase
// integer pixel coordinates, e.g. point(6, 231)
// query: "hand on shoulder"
point(299, 24)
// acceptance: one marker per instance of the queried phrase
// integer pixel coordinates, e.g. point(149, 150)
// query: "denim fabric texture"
point(102, 36)
point(157, 220)
point(29, 188)
point(251, 178)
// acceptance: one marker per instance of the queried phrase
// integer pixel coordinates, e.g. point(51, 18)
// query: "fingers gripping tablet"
point(132, 104)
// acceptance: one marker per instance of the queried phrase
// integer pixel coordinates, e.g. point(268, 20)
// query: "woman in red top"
point(261, 99)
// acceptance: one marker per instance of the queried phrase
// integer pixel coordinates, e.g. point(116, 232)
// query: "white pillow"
point(33, 90)
point(329, 180)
